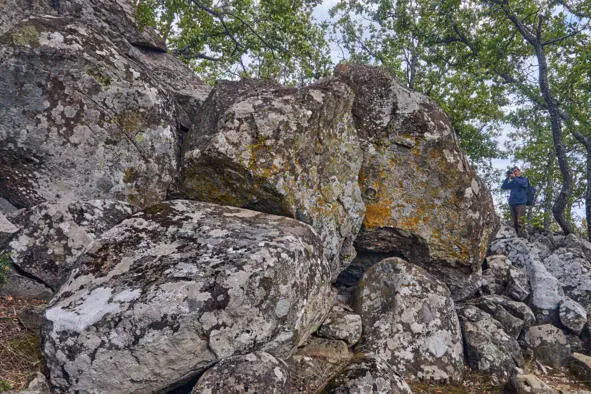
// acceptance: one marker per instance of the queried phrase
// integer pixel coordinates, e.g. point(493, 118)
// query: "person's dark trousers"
point(517, 213)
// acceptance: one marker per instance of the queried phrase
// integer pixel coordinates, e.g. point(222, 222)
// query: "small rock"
point(528, 384)
point(7, 230)
point(518, 286)
point(331, 349)
point(572, 315)
point(31, 317)
point(580, 366)
point(341, 324)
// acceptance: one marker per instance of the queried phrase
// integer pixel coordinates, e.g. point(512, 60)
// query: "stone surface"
point(330, 349)
point(19, 285)
point(549, 345)
point(87, 105)
point(423, 200)
point(285, 151)
point(213, 281)
point(367, 374)
point(495, 274)
point(31, 317)
point(341, 324)
point(528, 384)
point(409, 320)
point(514, 316)
point(546, 290)
point(52, 236)
point(489, 349)
point(518, 286)
point(573, 270)
point(309, 374)
point(572, 315)
point(7, 230)
point(253, 373)
point(580, 365)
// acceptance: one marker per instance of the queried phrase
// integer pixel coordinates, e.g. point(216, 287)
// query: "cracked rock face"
point(489, 349)
point(88, 109)
point(422, 198)
point(52, 236)
point(213, 281)
point(253, 373)
point(285, 151)
point(549, 344)
point(409, 320)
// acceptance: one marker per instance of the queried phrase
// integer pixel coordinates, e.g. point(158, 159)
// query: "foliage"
point(242, 38)
point(414, 39)
point(5, 263)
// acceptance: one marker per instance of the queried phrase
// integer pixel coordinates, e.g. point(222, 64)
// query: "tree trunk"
point(559, 207)
point(548, 191)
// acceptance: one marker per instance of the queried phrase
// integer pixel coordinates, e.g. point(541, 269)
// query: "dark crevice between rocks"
point(28, 275)
point(348, 280)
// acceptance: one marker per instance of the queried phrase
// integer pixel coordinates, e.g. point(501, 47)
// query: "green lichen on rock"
point(26, 35)
point(99, 76)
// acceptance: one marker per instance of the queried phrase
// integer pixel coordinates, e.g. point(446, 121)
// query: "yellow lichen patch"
point(378, 214)
point(26, 35)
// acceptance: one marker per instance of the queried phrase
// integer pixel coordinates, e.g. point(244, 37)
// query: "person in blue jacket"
point(517, 198)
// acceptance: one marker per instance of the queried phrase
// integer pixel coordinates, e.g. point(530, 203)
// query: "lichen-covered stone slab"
point(341, 324)
point(7, 230)
point(549, 344)
point(409, 320)
point(179, 286)
point(489, 349)
point(285, 151)
point(367, 374)
point(52, 236)
point(572, 315)
point(253, 373)
point(422, 198)
point(89, 106)
point(514, 316)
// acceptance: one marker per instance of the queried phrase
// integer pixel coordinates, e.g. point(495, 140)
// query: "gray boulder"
point(528, 384)
point(253, 373)
point(423, 199)
point(409, 320)
point(285, 151)
point(549, 344)
point(213, 281)
point(573, 270)
point(489, 349)
point(52, 236)
point(580, 366)
point(572, 315)
point(367, 374)
point(88, 107)
point(495, 276)
point(341, 324)
point(518, 287)
point(7, 230)
point(20, 285)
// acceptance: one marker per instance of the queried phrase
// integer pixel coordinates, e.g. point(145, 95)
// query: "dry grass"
point(20, 356)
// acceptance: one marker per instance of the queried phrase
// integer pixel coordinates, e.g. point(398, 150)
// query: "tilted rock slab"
point(571, 267)
point(409, 320)
point(86, 109)
point(572, 315)
point(52, 236)
point(422, 198)
point(257, 372)
point(179, 286)
point(489, 349)
point(285, 151)
point(549, 344)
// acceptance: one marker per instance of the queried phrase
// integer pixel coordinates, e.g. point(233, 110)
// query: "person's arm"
point(506, 184)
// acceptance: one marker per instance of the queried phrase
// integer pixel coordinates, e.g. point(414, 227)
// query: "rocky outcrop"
point(549, 344)
point(367, 374)
point(88, 107)
point(341, 324)
point(421, 195)
point(489, 349)
point(257, 372)
point(213, 281)
point(52, 236)
point(285, 151)
point(572, 315)
point(409, 320)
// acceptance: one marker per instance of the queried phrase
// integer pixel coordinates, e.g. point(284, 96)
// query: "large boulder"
point(422, 198)
point(88, 110)
point(177, 287)
point(341, 324)
point(514, 316)
point(52, 236)
point(409, 320)
point(285, 151)
point(573, 270)
point(549, 344)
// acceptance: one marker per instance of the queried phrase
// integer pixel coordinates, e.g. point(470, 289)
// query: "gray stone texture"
point(572, 315)
point(179, 286)
point(549, 344)
point(253, 373)
point(409, 320)
point(341, 323)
